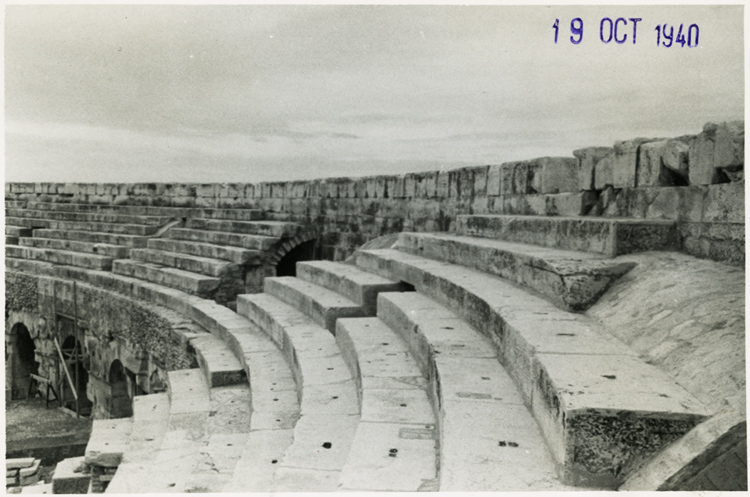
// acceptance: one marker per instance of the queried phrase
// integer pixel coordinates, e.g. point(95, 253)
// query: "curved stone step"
point(191, 263)
point(66, 257)
point(608, 236)
point(89, 216)
point(237, 255)
point(93, 237)
point(601, 408)
point(143, 210)
point(329, 410)
point(150, 423)
point(395, 447)
point(219, 364)
point(572, 280)
point(186, 281)
point(252, 242)
point(122, 229)
point(277, 229)
point(320, 304)
point(347, 280)
point(179, 453)
point(489, 440)
point(18, 231)
point(105, 249)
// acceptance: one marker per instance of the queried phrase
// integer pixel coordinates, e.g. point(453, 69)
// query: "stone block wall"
point(696, 180)
point(144, 337)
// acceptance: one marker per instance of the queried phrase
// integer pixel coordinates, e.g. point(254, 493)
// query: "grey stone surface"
point(720, 145)
point(550, 380)
point(587, 161)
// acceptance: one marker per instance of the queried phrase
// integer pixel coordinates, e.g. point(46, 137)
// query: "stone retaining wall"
point(144, 337)
point(696, 180)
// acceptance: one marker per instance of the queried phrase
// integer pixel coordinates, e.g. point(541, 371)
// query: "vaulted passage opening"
point(287, 265)
point(21, 359)
point(121, 401)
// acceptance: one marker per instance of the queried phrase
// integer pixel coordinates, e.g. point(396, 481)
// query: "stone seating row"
point(136, 210)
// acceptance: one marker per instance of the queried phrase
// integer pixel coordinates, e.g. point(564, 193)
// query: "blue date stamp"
point(621, 30)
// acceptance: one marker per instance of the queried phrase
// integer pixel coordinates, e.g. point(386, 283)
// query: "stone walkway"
point(685, 316)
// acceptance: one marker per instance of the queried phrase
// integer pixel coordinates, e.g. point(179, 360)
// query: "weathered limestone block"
point(625, 162)
point(683, 203)
point(558, 175)
point(725, 203)
point(587, 160)
point(721, 146)
point(479, 186)
point(427, 184)
point(410, 185)
point(493, 180)
point(604, 172)
point(663, 163)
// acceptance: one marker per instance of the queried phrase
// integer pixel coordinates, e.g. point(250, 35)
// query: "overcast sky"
point(255, 93)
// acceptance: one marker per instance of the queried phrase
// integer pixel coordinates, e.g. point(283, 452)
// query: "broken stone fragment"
point(625, 161)
point(663, 163)
point(721, 146)
point(587, 161)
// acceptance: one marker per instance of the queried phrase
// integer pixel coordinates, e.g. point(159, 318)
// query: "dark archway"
point(121, 402)
point(287, 265)
point(22, 361)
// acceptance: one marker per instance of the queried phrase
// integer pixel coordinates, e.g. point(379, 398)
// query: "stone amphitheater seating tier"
point(63, 257)
point(105, 249)
point(252, 242)
point(572, 280)
point(115, 228)
point(93, 237)
point(139, 210)
point(329, 411)
point(236, 255)
point(322, 305)
point(347, 280)
point(192, 283)
point(278, 229)
point(488, 438)
point(553, 356)
point(191, 263)
point(608, 236)
point(89, 216)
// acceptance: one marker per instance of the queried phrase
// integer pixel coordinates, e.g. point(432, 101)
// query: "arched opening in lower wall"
point(20, 358)
point(73, 354)
point(120, 402)
point(287, 265)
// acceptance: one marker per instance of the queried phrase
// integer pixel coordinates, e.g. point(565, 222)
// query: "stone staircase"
point(149, 243)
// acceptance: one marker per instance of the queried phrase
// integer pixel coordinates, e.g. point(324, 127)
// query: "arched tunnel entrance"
point(287, 265)
point(121, 402)
point(20, 357)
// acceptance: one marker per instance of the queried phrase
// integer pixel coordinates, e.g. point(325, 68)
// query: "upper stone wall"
point(695, 180)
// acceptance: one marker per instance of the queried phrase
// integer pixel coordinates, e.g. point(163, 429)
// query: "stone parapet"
point(695, 179)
